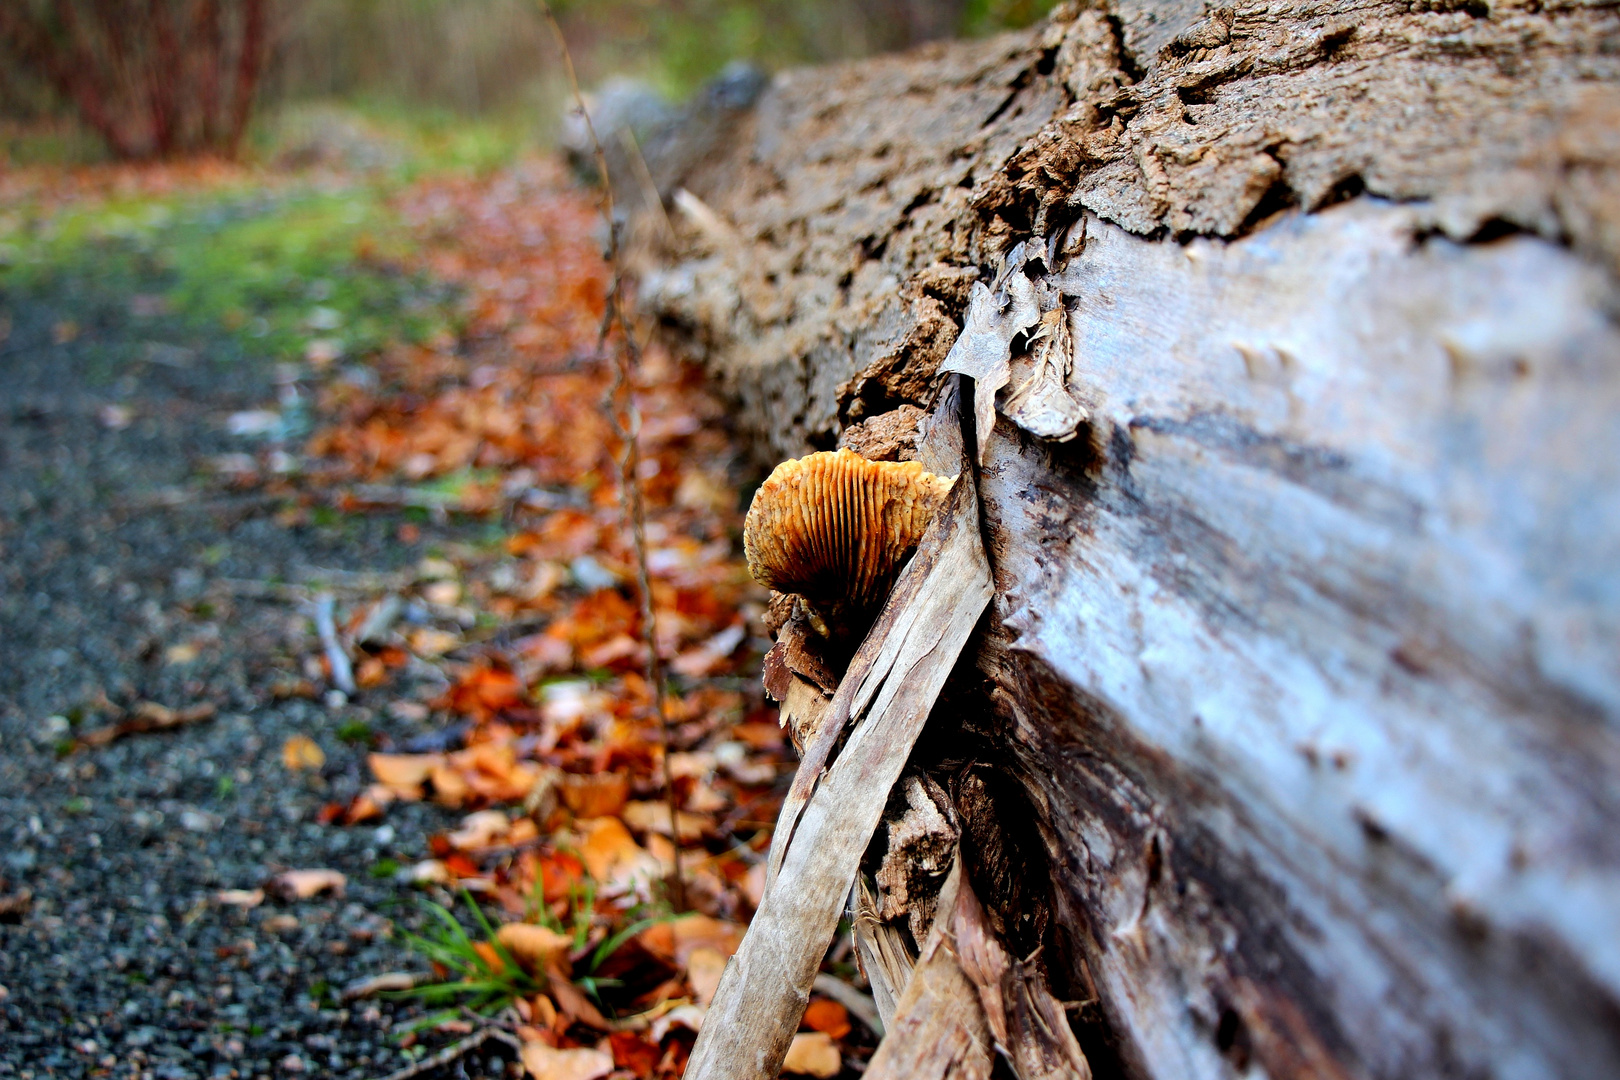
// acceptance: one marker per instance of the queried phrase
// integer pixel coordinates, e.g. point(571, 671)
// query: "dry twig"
point(628, 428)
point(451, 1053)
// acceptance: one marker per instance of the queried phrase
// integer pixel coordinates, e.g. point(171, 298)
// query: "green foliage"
point(355, 732)
point(277, 269)
point(486, 988)
point(476, 983)
point(981, 17)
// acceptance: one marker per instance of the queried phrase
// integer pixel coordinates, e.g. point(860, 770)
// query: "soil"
point(128, 574)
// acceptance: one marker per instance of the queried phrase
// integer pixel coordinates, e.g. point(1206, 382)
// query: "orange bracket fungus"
point(833, 528)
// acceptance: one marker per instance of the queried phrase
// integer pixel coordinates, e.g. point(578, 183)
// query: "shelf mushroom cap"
point(834, 527)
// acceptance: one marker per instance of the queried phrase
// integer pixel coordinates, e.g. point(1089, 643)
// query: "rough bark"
point(1296, 726)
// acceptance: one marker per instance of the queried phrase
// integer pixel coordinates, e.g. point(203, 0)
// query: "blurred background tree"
point(152, 78)
point(160, 78)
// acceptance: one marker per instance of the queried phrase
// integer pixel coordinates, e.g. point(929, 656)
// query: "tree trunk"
point(1294, 734)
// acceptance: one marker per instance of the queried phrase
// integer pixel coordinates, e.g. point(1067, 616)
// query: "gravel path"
point(120, 572)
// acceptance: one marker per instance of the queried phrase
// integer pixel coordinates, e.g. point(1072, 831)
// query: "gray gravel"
point(116, 956)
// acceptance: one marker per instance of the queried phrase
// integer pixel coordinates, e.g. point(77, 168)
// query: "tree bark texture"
point(1294, 734)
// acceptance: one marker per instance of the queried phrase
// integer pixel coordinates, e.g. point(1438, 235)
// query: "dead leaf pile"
point(533, 647)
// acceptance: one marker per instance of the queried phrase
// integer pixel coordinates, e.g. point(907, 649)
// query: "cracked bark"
point(1294, 739)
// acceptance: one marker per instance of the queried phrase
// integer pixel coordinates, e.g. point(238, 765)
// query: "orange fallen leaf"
point(677, 939)
point(368, 805)
point(300, 752)
point(480, 830)
point(560, 874)
point(613, 858)
point(371, 672)
point(812, 1053)
point(597, 794)
point(703, 970)
point(403, 774)
point(827, 1016)
point(489, 955)
point(427, 642)
point(547, 1063)
point(535, 947)
point(632, 1052)
point(450, 788)
point(303, 884)
point(653, 817)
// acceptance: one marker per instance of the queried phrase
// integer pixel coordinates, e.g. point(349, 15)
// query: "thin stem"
point(626, 360)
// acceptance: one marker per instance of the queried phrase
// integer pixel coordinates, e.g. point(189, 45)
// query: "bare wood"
point(939, 1030)
point(337, 657)
point(1028, 1023)
point(884, 956)
point(932, 611)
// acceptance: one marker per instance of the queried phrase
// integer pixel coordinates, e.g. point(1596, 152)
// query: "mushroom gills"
point(833, 528)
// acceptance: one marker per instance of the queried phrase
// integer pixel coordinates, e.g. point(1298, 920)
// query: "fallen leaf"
point(427, 642)
point(404, 774)
point(677, 939)
point(812, 1053)
point(828, 1016)
point(613, 858)
point(443, 593)
point(647, 816)
point(633, 1053)
point(303, 884)
point(490, 956)
point(573, 1003)
point(450, 788)
point(535, 947)
point(545, 1013)
point(546, 1063)
point(428, 872)
point(148, 716)
point(368, 805)
point(597, 794)
point(686, 1016)
point(300, 752)
point(371, 986)
point(480, 830)
point(703, 970)
point(184, 653)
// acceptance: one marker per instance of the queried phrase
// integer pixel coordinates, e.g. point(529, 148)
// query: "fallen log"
point(1293, 743)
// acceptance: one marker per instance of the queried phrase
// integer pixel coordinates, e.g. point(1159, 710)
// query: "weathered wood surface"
point(1302, 703)
point(940, 1031)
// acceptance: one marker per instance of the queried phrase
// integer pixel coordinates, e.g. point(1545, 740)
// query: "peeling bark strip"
point(939, 1031)
point(1300, 672)
point(885, 698)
